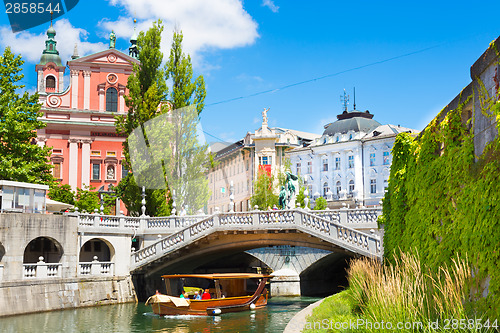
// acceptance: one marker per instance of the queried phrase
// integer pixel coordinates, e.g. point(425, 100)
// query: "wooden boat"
point(229, 293)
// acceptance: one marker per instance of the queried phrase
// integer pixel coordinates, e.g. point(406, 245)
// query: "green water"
point(128, 318)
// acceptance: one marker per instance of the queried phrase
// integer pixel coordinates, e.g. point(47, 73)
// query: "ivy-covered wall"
point(443, 200)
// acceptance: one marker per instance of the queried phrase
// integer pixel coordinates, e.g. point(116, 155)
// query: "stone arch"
point(48, 248)
point(97, 247)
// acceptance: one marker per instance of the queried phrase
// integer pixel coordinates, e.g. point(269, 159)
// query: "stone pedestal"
point(286, 282)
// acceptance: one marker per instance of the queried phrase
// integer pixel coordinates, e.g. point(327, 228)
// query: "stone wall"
point(28, 296)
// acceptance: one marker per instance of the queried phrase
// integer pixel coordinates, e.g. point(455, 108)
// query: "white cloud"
point(271, 5)
point(30, 46)
point(215, 24)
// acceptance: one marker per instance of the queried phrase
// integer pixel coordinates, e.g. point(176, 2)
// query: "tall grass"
point(407, 292)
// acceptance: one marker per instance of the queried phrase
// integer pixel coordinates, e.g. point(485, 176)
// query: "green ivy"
point(443, 200)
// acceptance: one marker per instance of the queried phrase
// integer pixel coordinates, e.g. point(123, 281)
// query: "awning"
point(56, 206)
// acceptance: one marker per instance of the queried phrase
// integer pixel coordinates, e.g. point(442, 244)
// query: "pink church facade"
point(86, 151)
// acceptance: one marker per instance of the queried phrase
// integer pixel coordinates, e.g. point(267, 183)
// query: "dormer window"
point(111, 100)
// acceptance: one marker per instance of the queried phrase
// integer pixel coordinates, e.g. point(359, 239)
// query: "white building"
point(238, 163)
point(350, 162)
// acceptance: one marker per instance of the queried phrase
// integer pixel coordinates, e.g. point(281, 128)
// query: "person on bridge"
point(206, 295)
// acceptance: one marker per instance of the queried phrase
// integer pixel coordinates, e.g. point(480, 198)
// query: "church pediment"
point(109, 56)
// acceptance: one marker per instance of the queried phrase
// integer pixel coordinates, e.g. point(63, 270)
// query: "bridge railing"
point(358, 218)
point(42, 270)
point(333, 232)
point(93, 268)
point(144, 224)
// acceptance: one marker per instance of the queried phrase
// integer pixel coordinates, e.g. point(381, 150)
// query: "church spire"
point(50, 54)
point(133, 51)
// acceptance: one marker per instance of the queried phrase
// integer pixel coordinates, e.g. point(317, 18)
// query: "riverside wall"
point(21, 297)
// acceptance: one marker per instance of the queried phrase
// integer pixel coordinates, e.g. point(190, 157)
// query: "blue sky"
point(245, 48)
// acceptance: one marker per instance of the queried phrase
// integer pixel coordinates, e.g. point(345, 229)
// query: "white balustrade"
point(323, 225)
point(96, 268)
point(42, 270)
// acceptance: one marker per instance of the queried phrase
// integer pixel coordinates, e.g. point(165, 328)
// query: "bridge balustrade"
point(42, 270)
point(324, 225)
point(96, 267)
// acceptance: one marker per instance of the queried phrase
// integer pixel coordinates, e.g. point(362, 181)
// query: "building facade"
point(238, 164)
point(80, 118)
point(350, 163)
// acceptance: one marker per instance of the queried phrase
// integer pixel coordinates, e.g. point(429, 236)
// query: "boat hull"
point(207, 307)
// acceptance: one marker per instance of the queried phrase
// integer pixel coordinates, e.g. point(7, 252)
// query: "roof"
point(352, 121)
point(218, 146)
point(303, 135)
point(218, 276)
point(387, 130)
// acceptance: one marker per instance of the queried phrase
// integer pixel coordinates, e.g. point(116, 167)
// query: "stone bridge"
point(336, 230)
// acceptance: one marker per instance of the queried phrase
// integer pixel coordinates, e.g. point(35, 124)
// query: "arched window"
point(351, 186)
point(325, 190)
point(50, 83)
point(339, 188)
point(111, 100)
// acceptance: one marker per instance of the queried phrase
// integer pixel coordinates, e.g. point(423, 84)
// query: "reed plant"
point(407, 292)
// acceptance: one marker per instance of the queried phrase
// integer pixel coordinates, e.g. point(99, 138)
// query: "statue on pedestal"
point(287, 193)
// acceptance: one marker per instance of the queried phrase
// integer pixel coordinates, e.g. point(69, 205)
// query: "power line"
point(323, 77)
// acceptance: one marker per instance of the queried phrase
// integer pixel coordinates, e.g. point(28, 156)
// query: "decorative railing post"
point(95, 269)
point(122, 220)
point(97, 218)
point(255, 218)
point(41, 269)
point(343, 215)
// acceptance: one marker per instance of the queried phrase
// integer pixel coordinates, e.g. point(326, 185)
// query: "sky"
point(406, 59)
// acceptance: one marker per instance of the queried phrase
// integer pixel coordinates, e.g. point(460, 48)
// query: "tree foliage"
point(320, 204)
point(444, 201)
point(263, 194)
point(147, 89)
point(62, 193)
point(21, 159)
point(87, 199)
point(161, 129)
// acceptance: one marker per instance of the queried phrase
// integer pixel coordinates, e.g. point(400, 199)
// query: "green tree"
point(301, 196)
point(147, 89)
point(21, 158)
point(263, 194)
point(320, 204)
point(87, 199)
point(61, 193)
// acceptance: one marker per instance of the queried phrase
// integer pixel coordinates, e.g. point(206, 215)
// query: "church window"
point(57, 170)
point(96, 171)
point(50, 83)
point(111, 100)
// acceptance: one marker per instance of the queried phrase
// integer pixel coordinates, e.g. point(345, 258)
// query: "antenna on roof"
point(345, 100)
point(354, 98)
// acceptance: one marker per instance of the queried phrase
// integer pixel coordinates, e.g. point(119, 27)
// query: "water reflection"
point(128, 318)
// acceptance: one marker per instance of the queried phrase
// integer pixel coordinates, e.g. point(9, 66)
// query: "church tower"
point(50, 69)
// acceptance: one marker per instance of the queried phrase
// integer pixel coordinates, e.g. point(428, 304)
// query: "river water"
point(129, 318)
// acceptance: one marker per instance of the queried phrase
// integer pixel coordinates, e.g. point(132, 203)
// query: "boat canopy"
point(219, 276)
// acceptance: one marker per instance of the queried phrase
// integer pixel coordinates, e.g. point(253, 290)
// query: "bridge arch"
point(47, 247)
point(326, 276)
